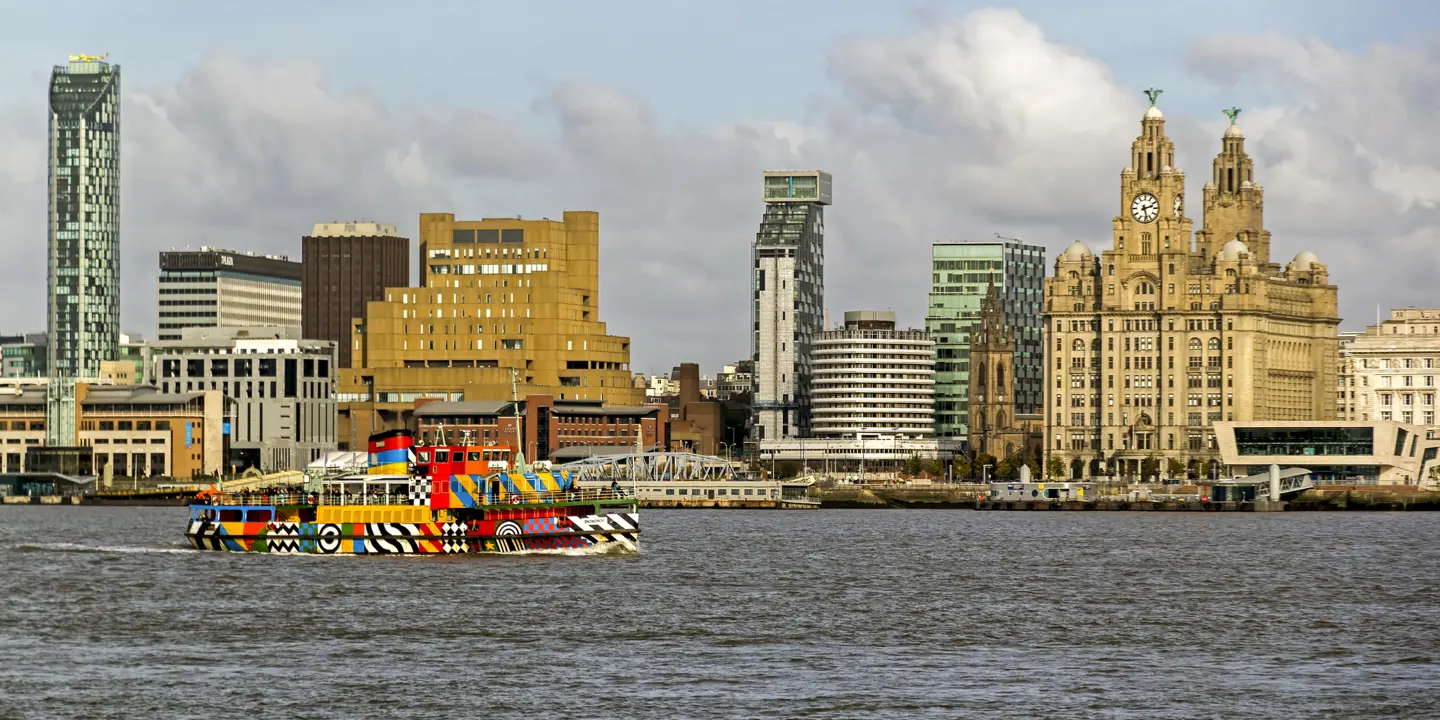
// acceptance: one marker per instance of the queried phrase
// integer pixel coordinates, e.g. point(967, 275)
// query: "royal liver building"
point(1166, 332)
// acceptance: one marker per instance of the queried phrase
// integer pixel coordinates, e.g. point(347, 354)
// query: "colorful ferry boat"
point(443, 499)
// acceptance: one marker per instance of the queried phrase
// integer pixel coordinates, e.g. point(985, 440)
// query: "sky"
point(243, 124)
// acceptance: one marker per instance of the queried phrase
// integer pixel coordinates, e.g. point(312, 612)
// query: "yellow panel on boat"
point(372, 514)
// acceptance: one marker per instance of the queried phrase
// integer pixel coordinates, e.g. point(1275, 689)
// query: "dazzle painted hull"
point(618, 531)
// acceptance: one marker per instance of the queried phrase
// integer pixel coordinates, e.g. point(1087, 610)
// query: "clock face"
point(1179, 206)
point(1145, 207)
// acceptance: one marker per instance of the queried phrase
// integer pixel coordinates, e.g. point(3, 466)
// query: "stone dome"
point(1077, 252)
point(1153, 112)
point(1231, 250)
point(1246, 184)
point(1234, 132)
point(1304, 260)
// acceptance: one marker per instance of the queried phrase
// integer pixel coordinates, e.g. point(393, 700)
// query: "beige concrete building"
point(495, 295)
point(1157, 338)
point(1388, 372)
point(139, 431)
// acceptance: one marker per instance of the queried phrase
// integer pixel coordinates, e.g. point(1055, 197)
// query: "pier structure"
point(647, 466)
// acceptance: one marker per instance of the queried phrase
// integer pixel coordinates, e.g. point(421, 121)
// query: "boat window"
point(424, 456)
point(442, 456)
point(474, 456)
point(683, 491)
point(259, 516)
point(669, 491)
point(748, 491)
point(230, 516)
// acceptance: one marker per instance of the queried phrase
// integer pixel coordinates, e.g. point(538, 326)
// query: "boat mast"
point(519, 423)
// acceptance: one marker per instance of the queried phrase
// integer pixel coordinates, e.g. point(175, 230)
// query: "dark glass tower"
point(84, 217)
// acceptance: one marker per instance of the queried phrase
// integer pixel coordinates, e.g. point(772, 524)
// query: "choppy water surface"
point(105, 614)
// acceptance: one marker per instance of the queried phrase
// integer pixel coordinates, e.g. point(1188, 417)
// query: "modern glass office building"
point(84, 216)
point(961, 272)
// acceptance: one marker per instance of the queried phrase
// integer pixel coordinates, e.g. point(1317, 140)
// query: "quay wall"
point(1366, 497)
point(898, 496)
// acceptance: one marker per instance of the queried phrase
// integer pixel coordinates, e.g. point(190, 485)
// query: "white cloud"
point(956, 131)
point(1347, 159)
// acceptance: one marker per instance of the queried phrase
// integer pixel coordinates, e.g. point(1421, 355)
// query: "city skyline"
point(249, 151)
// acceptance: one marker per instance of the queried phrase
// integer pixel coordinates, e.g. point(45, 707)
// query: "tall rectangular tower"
point(787, 291)
point(84, 216)
point(348, 264)
point(961, 272)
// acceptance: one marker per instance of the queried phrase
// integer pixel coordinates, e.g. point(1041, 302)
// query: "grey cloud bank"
point(956, 131)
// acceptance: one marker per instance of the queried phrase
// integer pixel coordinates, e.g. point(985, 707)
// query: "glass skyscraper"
point(961, 273)
point(84, 216)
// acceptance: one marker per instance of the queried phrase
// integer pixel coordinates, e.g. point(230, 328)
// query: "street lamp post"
point(985, 473)
point(861, 438)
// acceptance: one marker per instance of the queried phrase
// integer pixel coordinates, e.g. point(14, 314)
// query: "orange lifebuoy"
point(514, 499)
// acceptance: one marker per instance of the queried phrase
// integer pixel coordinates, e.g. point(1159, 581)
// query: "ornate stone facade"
point(995, 428)
point(1162, 335)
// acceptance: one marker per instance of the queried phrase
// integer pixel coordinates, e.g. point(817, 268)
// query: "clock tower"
point(1154, 341)
point(1152, 193)
point(1234, 204)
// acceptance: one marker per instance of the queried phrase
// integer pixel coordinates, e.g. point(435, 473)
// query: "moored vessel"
point(444, 499)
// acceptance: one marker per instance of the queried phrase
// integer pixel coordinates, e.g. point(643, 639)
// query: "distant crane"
point(1008, 239)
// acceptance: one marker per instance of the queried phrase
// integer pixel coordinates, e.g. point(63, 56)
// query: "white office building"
point(1389, 372)
point(284, 413)
point(224, 288)
point(870, 378)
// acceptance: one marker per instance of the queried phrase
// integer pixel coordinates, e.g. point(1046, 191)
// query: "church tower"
point(1234, 204)
point(992, 377)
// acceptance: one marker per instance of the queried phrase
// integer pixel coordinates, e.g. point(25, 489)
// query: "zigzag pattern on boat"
point(282, 537)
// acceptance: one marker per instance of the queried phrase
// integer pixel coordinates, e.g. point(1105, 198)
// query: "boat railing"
point(571, 495)
point(382, 499)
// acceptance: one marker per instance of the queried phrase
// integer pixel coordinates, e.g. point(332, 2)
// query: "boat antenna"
point(520, 466)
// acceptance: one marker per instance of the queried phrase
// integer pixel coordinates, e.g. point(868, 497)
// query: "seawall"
point(1366, 497)
point(898, 496)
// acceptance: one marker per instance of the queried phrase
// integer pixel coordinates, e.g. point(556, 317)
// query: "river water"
point(104, 613)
